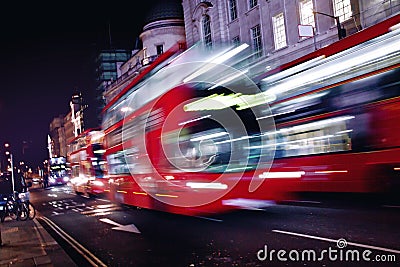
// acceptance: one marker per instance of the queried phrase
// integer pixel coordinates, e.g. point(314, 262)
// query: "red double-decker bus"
point(201, 135)
point(88, 167)
point(58, 171)
point(336, 113)
point(163, 154)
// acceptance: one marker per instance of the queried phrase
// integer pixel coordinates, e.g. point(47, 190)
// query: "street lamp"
point(12, 173)
point(341, 31)
point(6, 145)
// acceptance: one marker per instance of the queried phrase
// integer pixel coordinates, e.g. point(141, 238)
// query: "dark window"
point(233, 9)
point(207, 30)
point(256, 37)
point(236, 40)
point(160, 49)
point(253, 3)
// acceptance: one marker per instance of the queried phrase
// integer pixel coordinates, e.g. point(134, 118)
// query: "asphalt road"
point(295, 234)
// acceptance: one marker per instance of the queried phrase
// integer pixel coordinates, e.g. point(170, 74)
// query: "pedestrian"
point(45, 180)
point(20, 184)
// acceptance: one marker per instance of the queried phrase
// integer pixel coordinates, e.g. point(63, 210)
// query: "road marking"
point(210, 219)
point(90, 257)
point(101, 209)
point(128, 228)
point(77, 209)
point(335, 241)
point(105, 200)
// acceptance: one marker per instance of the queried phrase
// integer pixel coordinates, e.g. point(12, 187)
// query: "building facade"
point(163, 28)
point(63, 129)
point(57, 137)
point(69, 128)
point(108, 64)
point(271, 27)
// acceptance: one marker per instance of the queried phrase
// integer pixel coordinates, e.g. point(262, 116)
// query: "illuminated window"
point(207, 31)
point(342, 9)
point(325, 136)
point(306, 13)
point(278, 23)
point(253, 3)
point(117, 163)
point(256, 38)
point(233, 9)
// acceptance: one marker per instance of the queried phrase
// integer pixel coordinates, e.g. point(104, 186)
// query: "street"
point(305, 234)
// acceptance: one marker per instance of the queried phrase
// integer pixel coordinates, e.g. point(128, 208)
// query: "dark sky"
point(47, 51)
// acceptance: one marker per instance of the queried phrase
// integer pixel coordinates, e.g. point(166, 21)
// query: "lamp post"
point(12, 173)
point(341, 31)
point(6, 145)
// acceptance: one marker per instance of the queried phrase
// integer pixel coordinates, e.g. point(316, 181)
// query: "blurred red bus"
point(198, 138)
point(156, 152)
point(88, 167)
point(336, 112)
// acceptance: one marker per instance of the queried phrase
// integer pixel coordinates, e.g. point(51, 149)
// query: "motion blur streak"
point(201, 134)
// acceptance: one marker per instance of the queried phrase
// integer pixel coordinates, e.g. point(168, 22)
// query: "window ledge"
point(251, 9)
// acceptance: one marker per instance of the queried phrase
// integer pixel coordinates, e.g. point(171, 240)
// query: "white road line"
point(335, 241)
point(99, 210)
point(106, 220)
point(105, 200)
point(210, 219)
point(90, 257)
point(128, 228)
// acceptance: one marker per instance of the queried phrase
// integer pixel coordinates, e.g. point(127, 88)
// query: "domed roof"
point(165, 9)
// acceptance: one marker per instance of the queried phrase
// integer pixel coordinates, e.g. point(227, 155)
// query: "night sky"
point(47, 54)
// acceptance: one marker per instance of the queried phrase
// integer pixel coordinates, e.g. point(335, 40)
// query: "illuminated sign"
point(59, 160)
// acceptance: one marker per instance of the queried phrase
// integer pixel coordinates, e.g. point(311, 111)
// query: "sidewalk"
point(27, 243)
